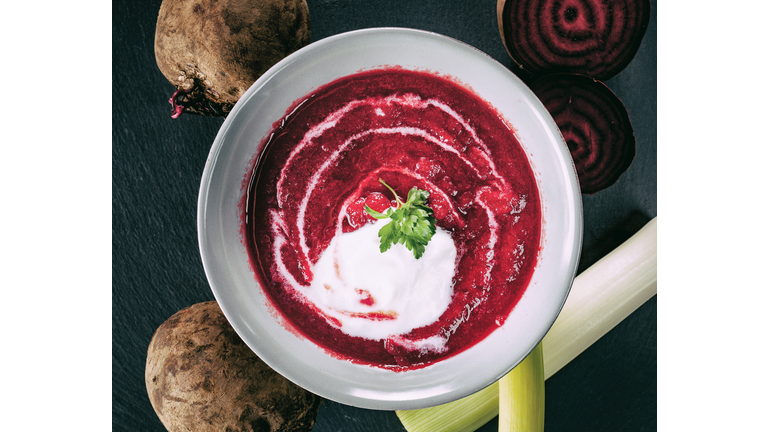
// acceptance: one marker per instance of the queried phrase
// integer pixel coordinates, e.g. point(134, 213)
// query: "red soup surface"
point(322, 163)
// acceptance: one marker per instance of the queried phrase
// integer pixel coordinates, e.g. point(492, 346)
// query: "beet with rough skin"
point(200, 376)
point(596, 38)
point(213, 50)
point(595, 125)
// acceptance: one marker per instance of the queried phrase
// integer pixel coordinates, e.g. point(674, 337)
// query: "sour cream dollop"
point(376, 295)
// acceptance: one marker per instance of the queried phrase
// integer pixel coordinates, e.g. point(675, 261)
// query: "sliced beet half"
point(597, 38)
point(595, 125)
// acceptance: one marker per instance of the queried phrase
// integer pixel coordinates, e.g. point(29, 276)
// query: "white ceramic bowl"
point(226, 261)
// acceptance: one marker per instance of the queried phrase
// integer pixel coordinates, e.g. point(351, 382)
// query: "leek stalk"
point(464, 415)
point(601, 297)
point(521, 395)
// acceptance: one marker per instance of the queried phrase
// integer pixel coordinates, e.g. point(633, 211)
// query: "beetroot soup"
point(315, 249)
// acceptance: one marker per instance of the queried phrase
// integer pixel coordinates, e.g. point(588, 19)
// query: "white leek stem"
point(601, 297)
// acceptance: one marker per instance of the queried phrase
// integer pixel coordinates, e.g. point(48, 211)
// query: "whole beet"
point(200, 376)
point(213, 50)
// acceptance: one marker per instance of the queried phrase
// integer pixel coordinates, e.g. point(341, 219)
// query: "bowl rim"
point(379, 398)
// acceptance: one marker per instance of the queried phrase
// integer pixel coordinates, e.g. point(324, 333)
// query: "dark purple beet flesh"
point(595, 125)
point(596, 38)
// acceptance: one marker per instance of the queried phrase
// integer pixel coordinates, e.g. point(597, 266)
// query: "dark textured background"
point(158, 162)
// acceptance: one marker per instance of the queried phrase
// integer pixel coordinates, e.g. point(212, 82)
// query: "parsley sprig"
point(412, 222)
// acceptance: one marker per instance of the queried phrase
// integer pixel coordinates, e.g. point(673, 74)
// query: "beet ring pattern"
point(595, 126)
point(589, 37)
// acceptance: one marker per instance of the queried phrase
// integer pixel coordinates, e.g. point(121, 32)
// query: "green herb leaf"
point(412, 223)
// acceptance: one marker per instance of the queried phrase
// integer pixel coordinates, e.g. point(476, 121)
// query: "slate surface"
point(157, 166)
